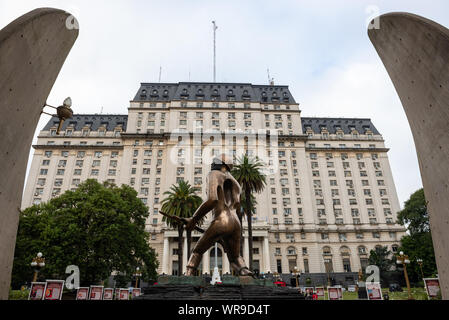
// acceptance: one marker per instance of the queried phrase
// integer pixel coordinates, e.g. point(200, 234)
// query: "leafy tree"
point(181, 201)
point(415, 215)
point(418, 243)
point(99, 227)
point(248, 172)
point(380, 257)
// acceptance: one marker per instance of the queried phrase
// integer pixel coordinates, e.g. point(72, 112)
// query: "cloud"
point(362, 88)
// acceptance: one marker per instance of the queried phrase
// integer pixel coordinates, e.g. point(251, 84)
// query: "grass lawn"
point(417, 293)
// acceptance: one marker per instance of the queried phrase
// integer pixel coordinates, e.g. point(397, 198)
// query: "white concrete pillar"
point(246, 250)
point(184, 256)
point(266, 255)
point(165, 256)
point(226, 265)
point(206, 262)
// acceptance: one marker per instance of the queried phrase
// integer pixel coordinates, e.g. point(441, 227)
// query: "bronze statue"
point(223, 197)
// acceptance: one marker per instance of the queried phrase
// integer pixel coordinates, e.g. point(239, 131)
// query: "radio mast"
point(215, 52)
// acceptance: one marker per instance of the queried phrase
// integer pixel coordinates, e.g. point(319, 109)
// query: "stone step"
point(219, 292)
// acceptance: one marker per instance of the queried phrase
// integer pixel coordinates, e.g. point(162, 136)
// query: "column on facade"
point(184, 256)
point(266, 254)
point(225, 262)
point(246, 250)
point(165, 256)
point(206, 262)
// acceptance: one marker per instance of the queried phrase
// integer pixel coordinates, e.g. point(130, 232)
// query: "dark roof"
point(212, 91)
point(94, 120)
point(331, 124)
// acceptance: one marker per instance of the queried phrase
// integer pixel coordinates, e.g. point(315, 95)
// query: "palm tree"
point(181, 201)
point(248, 172)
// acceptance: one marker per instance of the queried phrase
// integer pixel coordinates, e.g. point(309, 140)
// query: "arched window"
point(327, 251)
point(344, 251)
point(291, 250)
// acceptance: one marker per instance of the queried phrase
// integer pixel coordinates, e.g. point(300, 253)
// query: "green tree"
point(99, 227)
point(248, 172)
point(380, 257)
point(418, 243)
point(181, 201)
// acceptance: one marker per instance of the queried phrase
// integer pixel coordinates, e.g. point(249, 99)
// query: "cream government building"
point(330, 197)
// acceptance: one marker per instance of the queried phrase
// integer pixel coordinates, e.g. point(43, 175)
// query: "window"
point(96, 163)
point(346, 265)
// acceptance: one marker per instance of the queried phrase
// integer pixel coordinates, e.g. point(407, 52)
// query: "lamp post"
point(420, 263)
point(37, 263)
point(137, 275)
point(295, 273)
point(404, 260)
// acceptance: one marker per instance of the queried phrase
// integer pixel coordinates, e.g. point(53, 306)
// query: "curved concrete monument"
point(33, 49)
point(415, 52)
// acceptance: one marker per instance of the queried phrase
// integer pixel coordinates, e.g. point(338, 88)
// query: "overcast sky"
point(319, 48)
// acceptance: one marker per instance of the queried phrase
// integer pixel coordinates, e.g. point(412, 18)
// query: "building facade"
point(330, 197)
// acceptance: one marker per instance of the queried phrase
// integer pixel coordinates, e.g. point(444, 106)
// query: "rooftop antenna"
point(101, 111)
point(160, 73)
point(270, 80)
point(215, 52)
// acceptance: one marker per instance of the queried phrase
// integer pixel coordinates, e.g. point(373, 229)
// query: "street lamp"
point(404, 260)
point(63, 112)
point(138, 274)
point(37, 263)
point(296, 273)
point(420, 262)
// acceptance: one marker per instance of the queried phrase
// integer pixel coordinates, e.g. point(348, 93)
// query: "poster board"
point(53, 289)
point(136, 292)
point(96, 293)
point(37, 291)
point(310, 289)
point(320, 291)
point(333, 293)
point(432, 287)
point(374, 291)
point(124, 294)
point(82, 293)
point(108, 294)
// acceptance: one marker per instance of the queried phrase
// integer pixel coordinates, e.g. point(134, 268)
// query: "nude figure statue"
point(223, 197)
